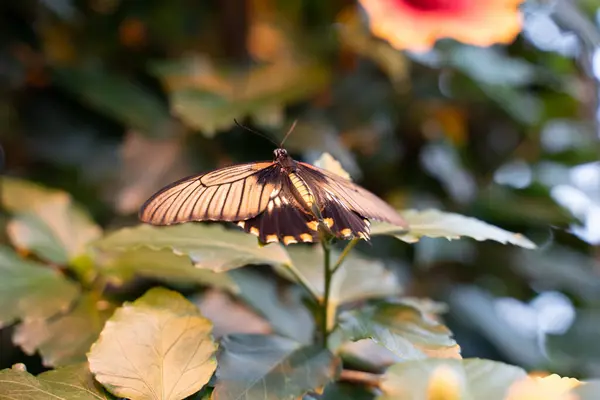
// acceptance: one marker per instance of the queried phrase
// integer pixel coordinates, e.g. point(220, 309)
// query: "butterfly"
point(283, 200)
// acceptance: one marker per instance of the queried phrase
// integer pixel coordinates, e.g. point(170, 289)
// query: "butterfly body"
point(283, 200)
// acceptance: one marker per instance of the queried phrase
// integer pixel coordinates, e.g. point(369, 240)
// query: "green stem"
point(304, 283)
point(345, 253)
point(328, 272)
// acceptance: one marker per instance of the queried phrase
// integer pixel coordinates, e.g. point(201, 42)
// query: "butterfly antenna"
point(288, 133)
point(255, 132)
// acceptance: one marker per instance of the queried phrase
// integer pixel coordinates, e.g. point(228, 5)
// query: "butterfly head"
point(282, 158)
point(280, 154)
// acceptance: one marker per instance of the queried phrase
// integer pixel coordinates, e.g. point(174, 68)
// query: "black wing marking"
point(350, 195)
point(284, 220)
point(228, 194)
point(341, 221)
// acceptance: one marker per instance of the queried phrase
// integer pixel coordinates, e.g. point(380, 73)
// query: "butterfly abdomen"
point(302, 189)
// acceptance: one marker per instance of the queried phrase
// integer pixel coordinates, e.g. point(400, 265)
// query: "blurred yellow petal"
point(551, 387)
point(417, 24)
point(444, 384)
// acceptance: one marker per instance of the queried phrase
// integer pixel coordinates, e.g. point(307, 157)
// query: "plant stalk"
point(328, 272)
point(345, 253)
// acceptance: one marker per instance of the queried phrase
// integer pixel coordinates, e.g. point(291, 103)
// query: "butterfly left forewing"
point(228, 194)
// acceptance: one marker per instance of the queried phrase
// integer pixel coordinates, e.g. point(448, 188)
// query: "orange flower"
point(417, 24)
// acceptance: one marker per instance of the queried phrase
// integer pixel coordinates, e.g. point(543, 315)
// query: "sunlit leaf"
point(48, 223)
point(121, 266)
point(209, 246)
point(30, 291)
point(448, 379)
point(368, 355)
point(281, 306)
point(74, 382)
point(117, 97)
point(358, 278)
point(66, 338)
point(439, 224)
point(158, 347)
point(327, 162)
point(403, 329)
point(551, 387)
point(22, 196)
point(271, 367)
point(29, 232)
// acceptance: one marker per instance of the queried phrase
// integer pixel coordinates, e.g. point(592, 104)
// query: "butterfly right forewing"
point(232, 193)
point(334, 188)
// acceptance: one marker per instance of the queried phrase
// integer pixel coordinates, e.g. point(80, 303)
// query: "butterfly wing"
point(283, 220)
point(347, 204)
point(232, 193)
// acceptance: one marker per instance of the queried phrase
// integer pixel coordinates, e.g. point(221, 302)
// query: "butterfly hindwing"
point(341, 221)
point(227, 194)
point(282, 221)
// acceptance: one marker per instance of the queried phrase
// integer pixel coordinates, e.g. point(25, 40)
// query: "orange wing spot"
point(305, 237)
point(328, 222)
point(346, 232)
point(289, 239)
point(254, 231)
point(272, 239)
point(241, 224)
point(313, 225)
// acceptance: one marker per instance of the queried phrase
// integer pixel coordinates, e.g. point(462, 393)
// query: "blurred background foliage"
point(111, 99)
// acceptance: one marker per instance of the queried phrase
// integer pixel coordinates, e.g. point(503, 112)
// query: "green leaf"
point(160, 264)
point(402, 328)
point(229, 315)
point(492, 66)
point(346, 391)
point(66, 338)
point(438, 224)
point(281, 306)
point(209, 98)
point(209, 246)
point(158, 347)
point(74, 382)
point(577, 345)
point(29, 290)
point(358, 278)
point(589, 391)
point(456, 379)
point(117, 97)
point(271, 367)
point(48, 223)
